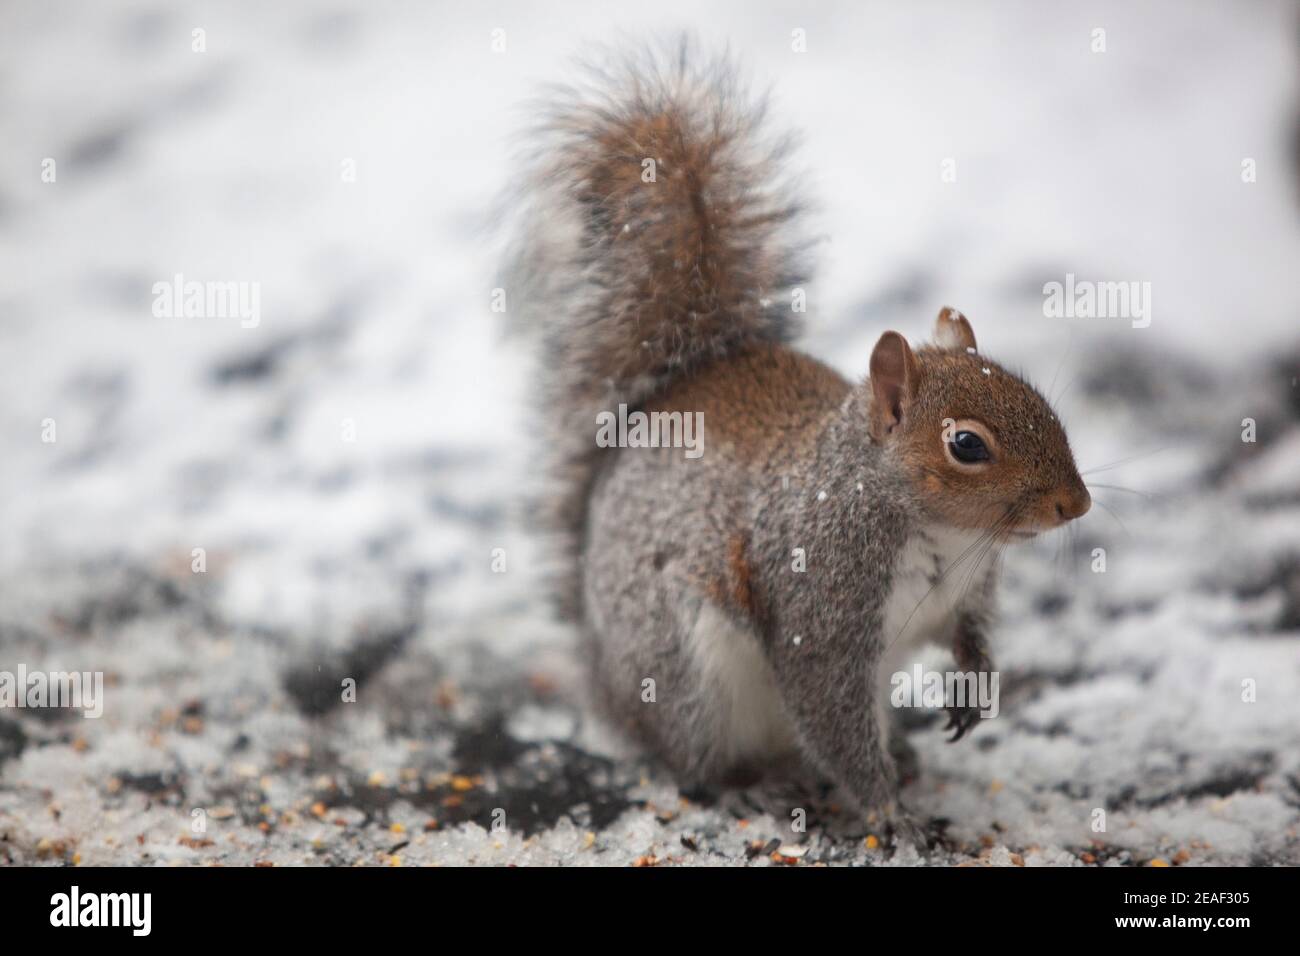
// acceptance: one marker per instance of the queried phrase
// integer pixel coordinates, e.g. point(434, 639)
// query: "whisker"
point(1131, 491)
point(1074, 549)
point(1060, 365)
point(992, 532)
point(1124, 461)
point(1056, 402)
point(1013, 517)
point(1108, 511)
point(974, 568)
point(937, 581)
point(1060, 551)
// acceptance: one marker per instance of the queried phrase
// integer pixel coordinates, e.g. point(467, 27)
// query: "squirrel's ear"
point(952, 332)
point(893, 377)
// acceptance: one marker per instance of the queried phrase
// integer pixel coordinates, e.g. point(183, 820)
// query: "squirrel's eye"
point(969, 447)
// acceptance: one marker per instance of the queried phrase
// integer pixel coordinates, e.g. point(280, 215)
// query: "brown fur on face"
point(1030, 484)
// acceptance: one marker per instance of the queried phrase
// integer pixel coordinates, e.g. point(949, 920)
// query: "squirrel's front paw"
point(969, 701)
point(961, 718)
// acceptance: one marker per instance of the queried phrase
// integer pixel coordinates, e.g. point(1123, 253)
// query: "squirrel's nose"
point(1073, 504)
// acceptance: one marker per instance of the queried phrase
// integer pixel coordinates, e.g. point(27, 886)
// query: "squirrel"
point(658, 257)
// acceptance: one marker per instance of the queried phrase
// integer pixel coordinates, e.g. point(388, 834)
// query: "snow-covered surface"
point(371, 559)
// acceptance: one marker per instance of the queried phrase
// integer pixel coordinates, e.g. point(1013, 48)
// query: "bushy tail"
point(658, 237)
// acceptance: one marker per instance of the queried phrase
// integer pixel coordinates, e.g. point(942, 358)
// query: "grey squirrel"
point(658, 256)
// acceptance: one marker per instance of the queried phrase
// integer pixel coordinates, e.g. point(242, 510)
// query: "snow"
point(371, 558)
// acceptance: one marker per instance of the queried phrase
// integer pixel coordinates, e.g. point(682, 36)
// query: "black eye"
point(969, 447)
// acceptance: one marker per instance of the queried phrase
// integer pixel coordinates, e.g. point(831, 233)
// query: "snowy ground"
point(370, 558)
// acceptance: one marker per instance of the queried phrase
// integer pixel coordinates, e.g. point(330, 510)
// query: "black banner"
point(208, 905)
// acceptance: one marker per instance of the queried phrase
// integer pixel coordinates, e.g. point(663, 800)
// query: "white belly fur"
point(730, 659)
point(918, 611)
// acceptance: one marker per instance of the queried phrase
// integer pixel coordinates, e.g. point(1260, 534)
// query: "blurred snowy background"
point(370, 558)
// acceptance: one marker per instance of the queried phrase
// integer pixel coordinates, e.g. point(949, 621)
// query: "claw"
point(960, 722)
